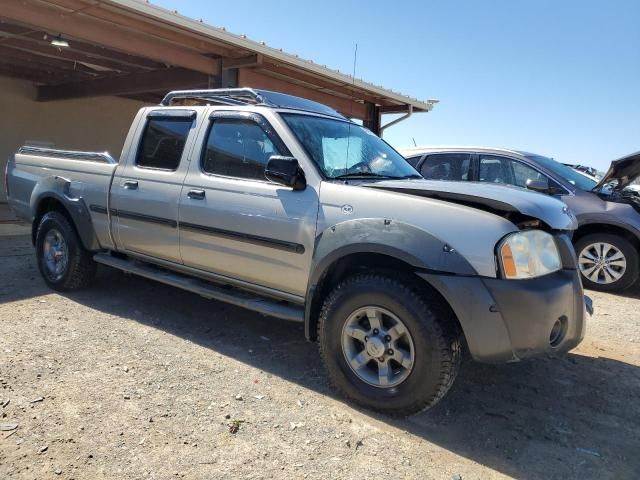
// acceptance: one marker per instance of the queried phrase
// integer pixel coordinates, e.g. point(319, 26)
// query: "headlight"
point(528, 254)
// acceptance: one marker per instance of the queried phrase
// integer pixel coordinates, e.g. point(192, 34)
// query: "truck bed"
point(75, 175)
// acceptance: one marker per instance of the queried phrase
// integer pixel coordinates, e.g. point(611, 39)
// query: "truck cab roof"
point(246, 97)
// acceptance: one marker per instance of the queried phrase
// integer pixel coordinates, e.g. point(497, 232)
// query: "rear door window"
point(447, 166)
point(163, 142)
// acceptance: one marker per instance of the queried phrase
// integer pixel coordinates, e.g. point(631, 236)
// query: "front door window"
point(496, 169)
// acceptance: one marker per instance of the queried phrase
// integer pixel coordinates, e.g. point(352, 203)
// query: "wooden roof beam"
point(243, 62)
point(125, 85)
point(102, 11)
point(107, 34)
point(19, 57)
point(26, 73)
point(71, 54)
point(396, 109)
point(21, 37)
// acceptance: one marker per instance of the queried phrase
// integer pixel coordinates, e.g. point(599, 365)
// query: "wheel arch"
point(609, 228)
point(398, 249)
point(52, 194)
point(631, 272)
point(370, 261)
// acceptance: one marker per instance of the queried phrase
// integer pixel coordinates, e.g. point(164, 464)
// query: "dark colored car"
point(607, 241)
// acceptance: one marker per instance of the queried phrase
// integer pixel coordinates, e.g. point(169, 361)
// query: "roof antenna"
point(414, 141)
point(353, 78)
point(353, 100)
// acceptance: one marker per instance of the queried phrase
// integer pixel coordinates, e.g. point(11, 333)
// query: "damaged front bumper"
point(508, 320)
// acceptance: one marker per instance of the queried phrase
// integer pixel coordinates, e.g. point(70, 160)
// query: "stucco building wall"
point(99, 123)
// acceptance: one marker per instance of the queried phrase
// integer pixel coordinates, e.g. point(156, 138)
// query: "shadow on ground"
point(569, 417)
point(632, 292)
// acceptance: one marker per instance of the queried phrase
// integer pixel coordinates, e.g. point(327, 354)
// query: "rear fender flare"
point(58, 188)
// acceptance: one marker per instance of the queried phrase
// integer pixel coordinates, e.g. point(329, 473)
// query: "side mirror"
point(285, 171)
point(538, 186)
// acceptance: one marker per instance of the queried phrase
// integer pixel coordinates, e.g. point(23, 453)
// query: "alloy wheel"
point(378, 347)
point(55, 254)
point(602, 263)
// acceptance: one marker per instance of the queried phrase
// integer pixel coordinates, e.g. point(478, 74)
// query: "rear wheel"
point(607, 262)
point(62, 260)
point(386, 347)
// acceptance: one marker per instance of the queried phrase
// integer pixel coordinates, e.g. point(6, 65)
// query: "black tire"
point(431, 326)
point(630, 253)
point(80, 269)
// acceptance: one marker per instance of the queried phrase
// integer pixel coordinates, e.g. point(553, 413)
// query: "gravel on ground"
point(133, 379)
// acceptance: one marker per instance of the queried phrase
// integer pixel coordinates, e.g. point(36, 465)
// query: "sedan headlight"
point(528, 254)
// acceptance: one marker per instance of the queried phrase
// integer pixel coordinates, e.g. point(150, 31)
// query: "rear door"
point(145, 193)
point(233, 221)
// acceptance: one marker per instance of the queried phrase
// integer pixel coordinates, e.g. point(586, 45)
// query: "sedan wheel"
point(607, 262)
point(602, 263)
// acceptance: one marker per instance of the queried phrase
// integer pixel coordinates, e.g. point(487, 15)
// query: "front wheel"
point(387, 347)
point(607, 262)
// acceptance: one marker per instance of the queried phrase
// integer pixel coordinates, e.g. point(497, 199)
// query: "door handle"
point(196, 194)
point(130, 184)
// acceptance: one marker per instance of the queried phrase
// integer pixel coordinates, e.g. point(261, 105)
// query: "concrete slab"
point(14, 229)
point(6, 215)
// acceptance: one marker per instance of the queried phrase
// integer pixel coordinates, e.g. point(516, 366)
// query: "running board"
point(205, 289)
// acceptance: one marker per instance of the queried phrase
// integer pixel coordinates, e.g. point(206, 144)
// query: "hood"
point(514, 203)
point(625, 170)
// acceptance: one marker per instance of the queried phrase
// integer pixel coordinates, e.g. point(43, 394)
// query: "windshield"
point(569, 174)
point(346, 150)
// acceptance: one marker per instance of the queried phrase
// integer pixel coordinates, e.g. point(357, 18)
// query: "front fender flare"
point(407, 243)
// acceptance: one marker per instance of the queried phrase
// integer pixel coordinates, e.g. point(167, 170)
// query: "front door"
point(235, 223)
point(509, 171)
point(145, 193)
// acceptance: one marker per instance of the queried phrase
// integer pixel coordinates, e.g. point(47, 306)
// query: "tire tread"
point(629, 278)
point(445, 334)
point(82, 268)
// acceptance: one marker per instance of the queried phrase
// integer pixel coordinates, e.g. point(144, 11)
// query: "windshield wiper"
point(357, 175)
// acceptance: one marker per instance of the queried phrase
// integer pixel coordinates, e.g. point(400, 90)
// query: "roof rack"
point(248, 96)
point(223, 96)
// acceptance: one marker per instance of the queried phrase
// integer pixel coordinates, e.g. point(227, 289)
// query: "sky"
point(558, 78)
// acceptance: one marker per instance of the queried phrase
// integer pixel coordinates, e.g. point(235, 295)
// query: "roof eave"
point(175, 19)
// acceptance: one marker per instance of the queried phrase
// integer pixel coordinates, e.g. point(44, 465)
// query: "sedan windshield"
point(342, 149)
point(572, 176)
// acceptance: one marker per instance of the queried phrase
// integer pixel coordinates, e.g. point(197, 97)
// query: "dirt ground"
point(133, 379)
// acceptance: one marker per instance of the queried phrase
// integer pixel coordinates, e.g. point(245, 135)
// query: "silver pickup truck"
point(283, 206)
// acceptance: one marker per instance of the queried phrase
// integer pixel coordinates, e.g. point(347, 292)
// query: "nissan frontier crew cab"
point(283, 206)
